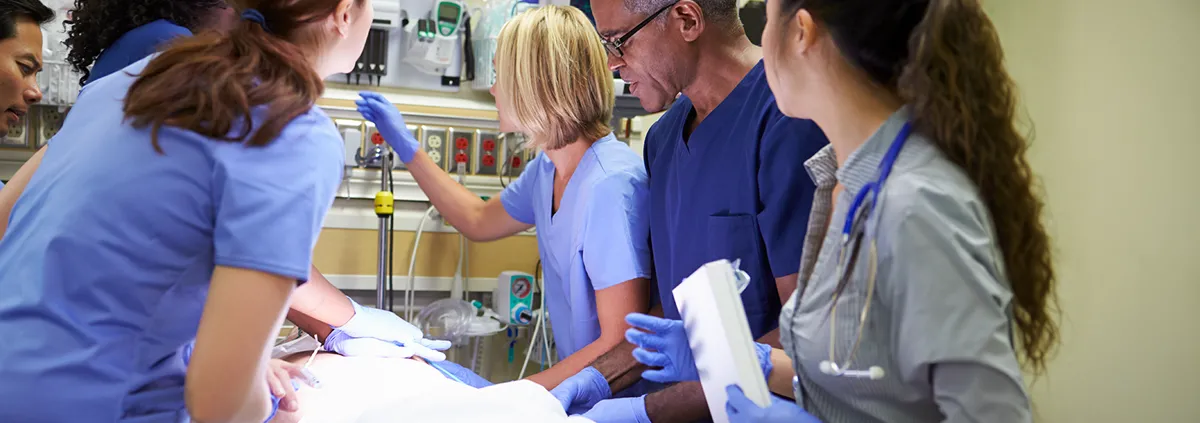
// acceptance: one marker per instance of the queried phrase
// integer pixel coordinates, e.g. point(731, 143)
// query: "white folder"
point(719, 336)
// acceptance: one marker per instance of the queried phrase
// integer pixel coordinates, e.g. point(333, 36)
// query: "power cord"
point(540, 327)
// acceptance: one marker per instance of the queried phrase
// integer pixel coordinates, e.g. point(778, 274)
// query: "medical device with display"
point(513, 297)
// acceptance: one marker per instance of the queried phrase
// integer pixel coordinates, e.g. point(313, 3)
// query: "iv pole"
point(385, 203)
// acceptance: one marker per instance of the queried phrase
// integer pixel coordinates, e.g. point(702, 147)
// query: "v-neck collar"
point(688, 145)
point(567, 190)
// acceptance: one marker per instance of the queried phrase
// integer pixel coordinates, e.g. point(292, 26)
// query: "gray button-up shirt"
point(939, 322)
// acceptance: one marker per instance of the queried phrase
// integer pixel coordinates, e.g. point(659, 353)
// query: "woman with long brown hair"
point(181, 200)
point(926, 280)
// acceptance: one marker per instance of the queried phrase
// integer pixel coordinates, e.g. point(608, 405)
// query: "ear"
point(690, 18)
point(343, 18)
point(803, 30)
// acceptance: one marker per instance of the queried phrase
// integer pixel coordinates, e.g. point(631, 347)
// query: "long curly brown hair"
point(944, 58)
point(94, 25)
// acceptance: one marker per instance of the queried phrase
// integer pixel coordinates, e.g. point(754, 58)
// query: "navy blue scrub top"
point(736, 189)
point(135, 45)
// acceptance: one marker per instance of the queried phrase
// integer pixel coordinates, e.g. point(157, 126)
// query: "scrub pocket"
point(733, 237)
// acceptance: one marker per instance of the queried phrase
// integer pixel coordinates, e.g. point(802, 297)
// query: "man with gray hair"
point(726, 181)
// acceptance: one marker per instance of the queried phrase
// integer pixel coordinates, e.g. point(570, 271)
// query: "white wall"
point(1113, 88)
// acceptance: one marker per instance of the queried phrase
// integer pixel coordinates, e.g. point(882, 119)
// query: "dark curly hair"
point(94, 25)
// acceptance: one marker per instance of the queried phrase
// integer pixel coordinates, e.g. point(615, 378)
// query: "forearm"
point(771, 338)
point(571, 365)
point(257, 406)
point(780, 379)
point(683, 402)
point(456, 203)
point(619, 367)
point(310, 325)
point(318, 304)
point(16, 186)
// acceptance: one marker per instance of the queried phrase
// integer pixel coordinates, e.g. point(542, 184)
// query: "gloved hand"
point(343, 344)
point(583, 390)
point(387, 119)
point(619, 410)
point(764, 359)
point(384, 326)
point(463, 374)
point(661, 343)
point(742, 410)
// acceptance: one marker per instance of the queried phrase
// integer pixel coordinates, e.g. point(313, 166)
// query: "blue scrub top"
point(135, 45)
point(111, 248)
point(735, 189)
point(597, 239)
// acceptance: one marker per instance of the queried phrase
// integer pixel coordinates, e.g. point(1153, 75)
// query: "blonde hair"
point(554, 74)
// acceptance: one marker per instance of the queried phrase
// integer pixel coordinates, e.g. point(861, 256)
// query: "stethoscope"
point(853, 232)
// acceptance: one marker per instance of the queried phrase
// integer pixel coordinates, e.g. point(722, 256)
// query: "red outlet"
point(461, 143)
point(489, 160)
point(460, 158)
point(489, 145)
point(376, 139)
point(516, 162)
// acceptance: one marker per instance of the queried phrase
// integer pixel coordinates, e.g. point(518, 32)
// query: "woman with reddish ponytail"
point(181, 200)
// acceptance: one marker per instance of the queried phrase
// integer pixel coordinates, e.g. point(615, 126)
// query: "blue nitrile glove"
point(661, 343)
point(764, 359)
point(742, 410)
point(387, 119)
point(583, 390)
point(619, 410)
point(463, 374)
point(344, 344)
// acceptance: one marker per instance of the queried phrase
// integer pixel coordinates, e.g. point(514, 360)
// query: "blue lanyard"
point(872, 188)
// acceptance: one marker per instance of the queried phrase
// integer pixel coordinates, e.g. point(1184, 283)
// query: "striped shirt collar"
point(862, 166)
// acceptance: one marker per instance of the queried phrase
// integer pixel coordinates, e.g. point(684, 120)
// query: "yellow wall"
point(1113, 89)
point(354, 252)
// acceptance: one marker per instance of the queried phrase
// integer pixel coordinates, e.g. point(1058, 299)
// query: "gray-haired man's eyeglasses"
point(614, 46)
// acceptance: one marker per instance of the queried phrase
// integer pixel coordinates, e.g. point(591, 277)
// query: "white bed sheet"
point(372, 390)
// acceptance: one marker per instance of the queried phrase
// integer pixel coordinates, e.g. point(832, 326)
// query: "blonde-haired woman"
point(585, 192)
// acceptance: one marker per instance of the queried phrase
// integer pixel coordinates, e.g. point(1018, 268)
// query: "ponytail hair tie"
point(253, 15)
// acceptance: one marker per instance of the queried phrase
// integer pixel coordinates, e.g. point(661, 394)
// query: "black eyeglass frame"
point(614, 46)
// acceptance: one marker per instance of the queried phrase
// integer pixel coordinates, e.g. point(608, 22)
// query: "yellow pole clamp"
point(385, 203)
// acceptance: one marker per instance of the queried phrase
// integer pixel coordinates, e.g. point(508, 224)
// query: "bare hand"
point(279, 379)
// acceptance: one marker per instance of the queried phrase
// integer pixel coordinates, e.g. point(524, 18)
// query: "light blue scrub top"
point(111, 247)
point(598, 238)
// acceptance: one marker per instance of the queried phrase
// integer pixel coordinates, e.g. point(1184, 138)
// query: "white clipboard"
point(719, 336)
